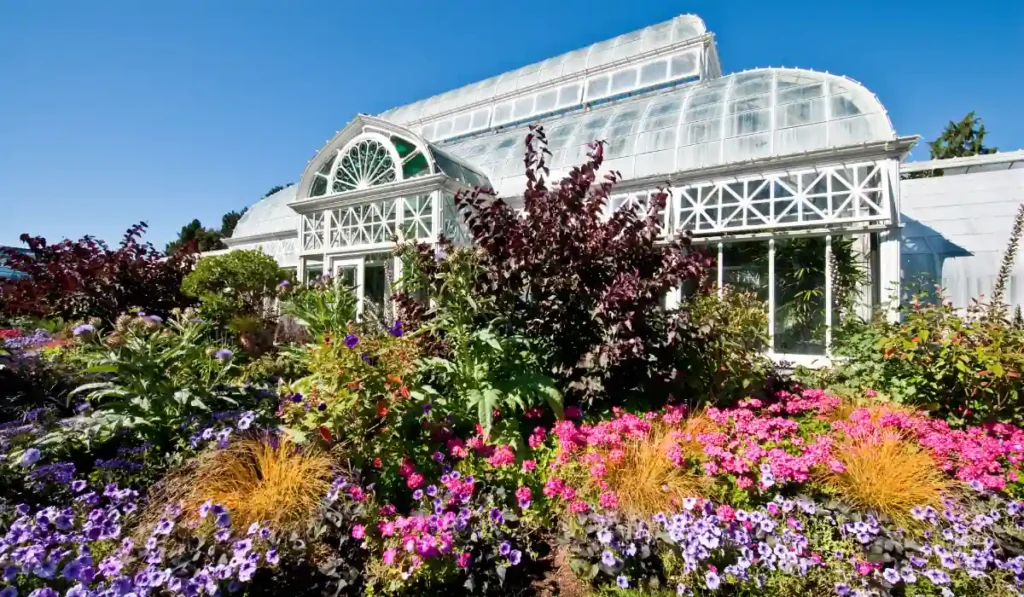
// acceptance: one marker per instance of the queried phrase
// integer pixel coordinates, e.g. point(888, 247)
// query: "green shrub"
point(323, 308)
point(964, 364)
point(237, 284)
point(726, 358)
point(156, 377)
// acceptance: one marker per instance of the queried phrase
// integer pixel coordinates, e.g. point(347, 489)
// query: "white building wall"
point(956, 228)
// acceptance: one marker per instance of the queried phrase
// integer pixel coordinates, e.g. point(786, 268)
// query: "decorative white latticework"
point(313, 232)
point(378, 222)
point(366, 164)
point(831, 195)
point(642, 201)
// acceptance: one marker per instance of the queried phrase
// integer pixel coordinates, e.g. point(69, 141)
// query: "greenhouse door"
point(369, 277)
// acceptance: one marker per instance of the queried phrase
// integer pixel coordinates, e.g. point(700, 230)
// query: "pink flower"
point(599, 470)
point(537, 437)
point(414, 480)
point(358, 531)
point(726, 513)
point(568, 494)
point(553, 487)
point(389, 556)
point(870, 393)
point(525, 496)
point(387, 529)
point(529, 465)
point(463, 560)
point(502, 457)
point(387, 510)
point(579, 507)
point(573, 412)
point(609, 501)
point(356, 493)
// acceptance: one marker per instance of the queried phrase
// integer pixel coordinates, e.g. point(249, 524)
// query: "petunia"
point(622, 582)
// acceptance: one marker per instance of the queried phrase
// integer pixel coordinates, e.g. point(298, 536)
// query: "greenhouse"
point(789, 177)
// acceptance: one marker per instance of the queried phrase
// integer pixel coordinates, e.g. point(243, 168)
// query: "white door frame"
point(358, 263)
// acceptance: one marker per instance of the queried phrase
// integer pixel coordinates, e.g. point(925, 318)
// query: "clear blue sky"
point(112, 112)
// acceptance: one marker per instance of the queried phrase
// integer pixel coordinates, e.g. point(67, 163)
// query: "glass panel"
point(378, 273)
point(502, 113)
point(568, 95)
point(319, 186)
point(313, 268)
point(655, 72)
point(403, 147)
point(623, 81)
point(523, 107)
point(745, 269)
point(444, 128)
point(684, 65)
point(597, 87)
point(347, 275)
point(546, 101)
point(800, 296)
point(366, 164)
point(415, 166)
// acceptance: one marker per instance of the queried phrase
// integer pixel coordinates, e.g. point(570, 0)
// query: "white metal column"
point(828, 295)
point(721, 270)
point(889, 274)
point(771, 295)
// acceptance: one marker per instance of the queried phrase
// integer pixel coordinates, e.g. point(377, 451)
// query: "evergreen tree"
point(204, 239)
point(959, 139)
point(229, 221)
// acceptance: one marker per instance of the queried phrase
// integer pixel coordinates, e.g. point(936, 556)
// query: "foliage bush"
point(158, 375)
point(965, 365)
point(235, 286)
point(75, 280)
point(325, 307)
point(594, 286)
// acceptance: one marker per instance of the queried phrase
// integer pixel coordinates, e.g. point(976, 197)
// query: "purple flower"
point(604, 536)
point(223, 354)
point(515, 556)
point(321, 407)
point(396, 329)
point(85, 328)
point(496, 516)
point(30, 457)
point(204, 509)
point(245, 421)
point(417, 495)
point(246, 570)
point(622, 582)
point(253, 528)
point(712, 580)
point(10, 573)
point(72, 570)
point(351, 341)
point(284, 284)
point(608, 558)
point(222, 535)
point(273, 557)
point(297, 397)
point(427, 408)
point(43, 592)
point(505, 548)
point(891, 575)
point(842, 589)
point(936, 576)
point(431, 490)
point(9, 592)
point(164, 527)
point(438, 456)
point(223, 520)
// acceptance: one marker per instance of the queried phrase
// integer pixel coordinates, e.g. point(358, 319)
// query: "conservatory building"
point(790, 177)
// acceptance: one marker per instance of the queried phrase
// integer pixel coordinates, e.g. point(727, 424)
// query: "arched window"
point(366, 164)
point(371, 159)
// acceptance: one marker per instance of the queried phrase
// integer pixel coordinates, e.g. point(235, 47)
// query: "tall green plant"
point(158, 375)
point(324, 308)
point(484, 365)
point(235, 284)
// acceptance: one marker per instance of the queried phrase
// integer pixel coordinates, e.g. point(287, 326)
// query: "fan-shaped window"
point(370, 160)
point(367, 164)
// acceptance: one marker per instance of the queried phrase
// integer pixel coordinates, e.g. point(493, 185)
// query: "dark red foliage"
point(85, 278)
point(594, 285)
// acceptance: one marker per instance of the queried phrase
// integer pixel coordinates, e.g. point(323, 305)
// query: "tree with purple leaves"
point(595, 283)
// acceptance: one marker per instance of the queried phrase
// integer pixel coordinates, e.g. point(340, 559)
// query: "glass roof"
point(577, 62)
point(740, 117)
point(270, 215)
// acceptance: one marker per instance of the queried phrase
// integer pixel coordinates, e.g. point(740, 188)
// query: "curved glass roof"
point(568, 65)
point(270, 215)
point(736, 118)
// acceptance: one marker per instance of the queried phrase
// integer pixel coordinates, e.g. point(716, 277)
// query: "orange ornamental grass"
point(257, 479)
point(890, 473)
point(646, 480)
